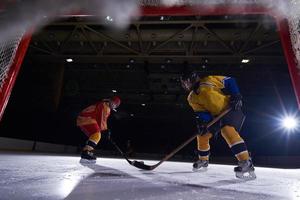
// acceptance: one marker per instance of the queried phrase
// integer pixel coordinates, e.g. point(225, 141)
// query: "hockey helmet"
point(188, 80)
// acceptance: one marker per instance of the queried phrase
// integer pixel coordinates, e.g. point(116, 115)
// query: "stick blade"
point(141, 165)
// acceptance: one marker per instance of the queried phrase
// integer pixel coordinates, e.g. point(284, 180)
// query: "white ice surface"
point(29, 177)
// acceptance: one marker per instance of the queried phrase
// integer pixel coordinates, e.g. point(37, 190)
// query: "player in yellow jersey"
point(209, 96)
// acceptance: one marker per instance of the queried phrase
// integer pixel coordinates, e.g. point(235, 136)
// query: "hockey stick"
point(134, 162)
point(141, 165)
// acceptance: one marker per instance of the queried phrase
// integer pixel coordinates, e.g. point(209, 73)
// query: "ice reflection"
point(70, 181)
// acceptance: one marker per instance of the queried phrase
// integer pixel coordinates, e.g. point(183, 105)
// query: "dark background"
point(144, 63)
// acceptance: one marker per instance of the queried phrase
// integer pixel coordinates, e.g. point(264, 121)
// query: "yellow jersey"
point(208, 95)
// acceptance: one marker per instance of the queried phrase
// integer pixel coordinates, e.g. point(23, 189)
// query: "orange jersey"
point(95, 114)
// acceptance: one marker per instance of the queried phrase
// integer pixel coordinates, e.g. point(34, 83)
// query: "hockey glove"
point(202, 129)
point(201, 126)
point(236, 102)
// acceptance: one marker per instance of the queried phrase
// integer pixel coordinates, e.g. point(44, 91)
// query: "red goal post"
point(12, 52)
point(11, 57)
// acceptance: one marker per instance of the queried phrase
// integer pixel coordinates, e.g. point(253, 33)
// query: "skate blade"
point(201, 169)
point(86, 161)
point(246, 176)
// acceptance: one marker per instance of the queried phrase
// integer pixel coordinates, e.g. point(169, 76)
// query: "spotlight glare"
point(289, 123)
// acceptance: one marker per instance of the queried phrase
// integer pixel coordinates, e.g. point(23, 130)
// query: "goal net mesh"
point(8, 50)
point(294, 29)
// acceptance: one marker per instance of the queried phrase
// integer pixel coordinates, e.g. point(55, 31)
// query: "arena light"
point(289, 123)
point(114, 91)
point(245, 60)
point(168, 60)
point(109, 18)
point(69, 60)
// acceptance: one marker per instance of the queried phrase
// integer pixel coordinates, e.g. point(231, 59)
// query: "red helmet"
point(115, 102)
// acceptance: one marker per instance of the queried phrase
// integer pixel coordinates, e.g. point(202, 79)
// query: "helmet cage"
point(188, 81)
point(114, 102)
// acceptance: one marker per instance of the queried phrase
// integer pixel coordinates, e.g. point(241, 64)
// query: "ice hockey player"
point(92, 121)
point(209, 96)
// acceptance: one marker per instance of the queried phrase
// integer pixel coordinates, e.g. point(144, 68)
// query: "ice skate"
point(87, 157)
point(245, 170)
point(200, 165)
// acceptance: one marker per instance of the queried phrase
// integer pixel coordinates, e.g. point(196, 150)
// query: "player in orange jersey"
point(92, 121)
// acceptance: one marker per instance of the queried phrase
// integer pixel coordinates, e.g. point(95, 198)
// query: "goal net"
point(8, 51)
point(294, 29)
